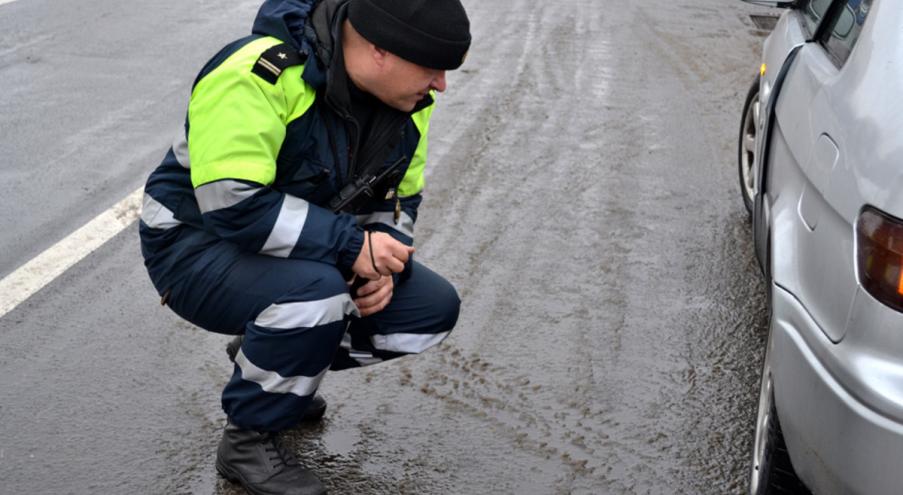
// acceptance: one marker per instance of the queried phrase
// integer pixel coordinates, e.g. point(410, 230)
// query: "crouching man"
point(256, 225)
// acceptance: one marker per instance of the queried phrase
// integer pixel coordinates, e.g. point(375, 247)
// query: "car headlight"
point(879, 256)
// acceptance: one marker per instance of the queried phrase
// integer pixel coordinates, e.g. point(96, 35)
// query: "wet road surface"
point(582, 196)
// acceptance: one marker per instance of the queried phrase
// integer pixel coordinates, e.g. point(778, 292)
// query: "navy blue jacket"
point(261, 157)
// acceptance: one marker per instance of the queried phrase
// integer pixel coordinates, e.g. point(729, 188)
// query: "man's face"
point(401, 84)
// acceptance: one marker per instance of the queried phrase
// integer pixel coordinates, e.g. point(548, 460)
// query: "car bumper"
point(837, 442)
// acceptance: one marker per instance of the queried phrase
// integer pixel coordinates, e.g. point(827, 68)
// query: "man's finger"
point(371, 287)
point(365, 290)
point(381, 305)
point(402, 253)
point(396, 266)
point(374, 308)
point(374, 302)
point(374, 298)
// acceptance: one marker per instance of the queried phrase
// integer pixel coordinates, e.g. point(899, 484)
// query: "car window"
point(813, 11)
point(845, 30)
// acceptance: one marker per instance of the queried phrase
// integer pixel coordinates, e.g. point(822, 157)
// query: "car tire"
point(747, 163)
point(771, 471)
point(775, 472)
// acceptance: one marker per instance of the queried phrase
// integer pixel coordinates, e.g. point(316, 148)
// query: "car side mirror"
point(778, 4)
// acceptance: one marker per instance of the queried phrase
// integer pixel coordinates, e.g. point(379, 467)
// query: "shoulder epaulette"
point(275, 60)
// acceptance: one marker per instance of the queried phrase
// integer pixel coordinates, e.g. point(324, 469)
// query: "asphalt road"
point(582, 196)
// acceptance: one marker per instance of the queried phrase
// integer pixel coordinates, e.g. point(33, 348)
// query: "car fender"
point(761, 220)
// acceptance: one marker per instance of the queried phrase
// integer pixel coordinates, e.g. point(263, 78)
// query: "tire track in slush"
point(579, 343)
point(530, 127)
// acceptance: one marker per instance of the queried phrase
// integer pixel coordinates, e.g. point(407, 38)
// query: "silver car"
point(821, 172)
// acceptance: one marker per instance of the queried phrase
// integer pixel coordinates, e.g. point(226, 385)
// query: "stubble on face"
point(404, 83)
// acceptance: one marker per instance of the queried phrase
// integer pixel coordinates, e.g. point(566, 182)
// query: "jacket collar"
point(284, 20)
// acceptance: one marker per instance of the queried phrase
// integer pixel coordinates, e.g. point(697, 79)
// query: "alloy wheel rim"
point(748, 154)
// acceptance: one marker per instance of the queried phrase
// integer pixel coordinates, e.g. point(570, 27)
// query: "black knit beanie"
point(431, 33)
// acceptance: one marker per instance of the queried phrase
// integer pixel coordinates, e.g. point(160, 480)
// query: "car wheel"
point(771, 470)
point(747, 150)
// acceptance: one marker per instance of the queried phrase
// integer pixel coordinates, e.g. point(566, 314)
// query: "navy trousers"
point(299, 320)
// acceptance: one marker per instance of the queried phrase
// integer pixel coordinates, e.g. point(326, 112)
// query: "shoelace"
point(279, 454)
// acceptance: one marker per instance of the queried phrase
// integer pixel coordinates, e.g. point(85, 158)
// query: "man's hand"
point(375, 295)
point(381, 255)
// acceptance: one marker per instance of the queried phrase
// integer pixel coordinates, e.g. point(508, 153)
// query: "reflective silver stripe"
point(223, 194)
point(155, 215)
point(307, 314)
point(405, 223)
point(275, 383)
point(408, 342)
point(363, 358)
point(287, 229)
point(180, 149)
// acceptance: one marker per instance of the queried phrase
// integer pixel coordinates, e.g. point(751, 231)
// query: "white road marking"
point(6, 1)
point(47, 266)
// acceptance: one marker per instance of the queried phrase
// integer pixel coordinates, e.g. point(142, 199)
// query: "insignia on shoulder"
point(275, 60)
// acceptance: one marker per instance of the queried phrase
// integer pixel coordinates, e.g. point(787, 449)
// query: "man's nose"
point(438, 82)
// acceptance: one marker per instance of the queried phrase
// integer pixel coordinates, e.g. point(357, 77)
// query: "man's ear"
point(378, 54)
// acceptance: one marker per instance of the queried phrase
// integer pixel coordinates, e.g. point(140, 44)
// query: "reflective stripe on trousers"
point(298, 320)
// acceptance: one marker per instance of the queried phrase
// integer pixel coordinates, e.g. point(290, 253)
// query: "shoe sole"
point(312, 415)
point(236, 478)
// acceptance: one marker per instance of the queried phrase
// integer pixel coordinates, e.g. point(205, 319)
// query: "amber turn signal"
point(879, 256)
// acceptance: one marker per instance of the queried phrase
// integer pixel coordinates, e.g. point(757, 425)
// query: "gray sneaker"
point(262, 465)
point(317, 407)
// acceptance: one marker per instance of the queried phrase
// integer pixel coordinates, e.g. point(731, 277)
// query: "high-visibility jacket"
point(266, 146)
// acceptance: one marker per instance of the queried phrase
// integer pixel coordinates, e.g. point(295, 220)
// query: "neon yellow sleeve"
point(237, 120)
